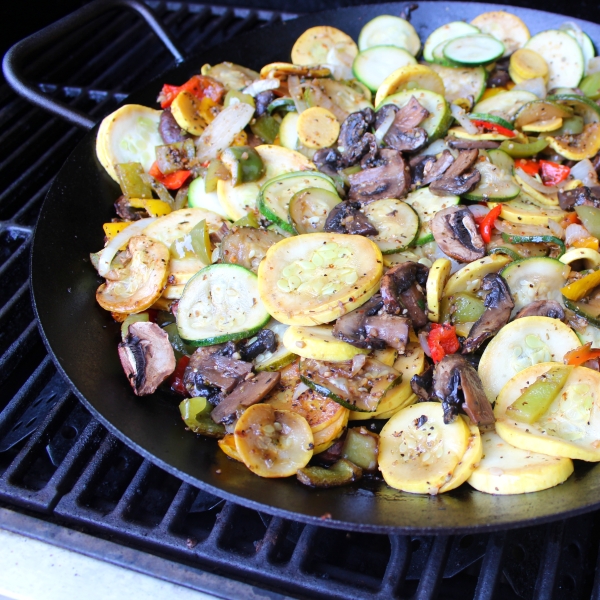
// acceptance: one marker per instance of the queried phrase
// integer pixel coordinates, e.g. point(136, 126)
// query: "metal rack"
point(58, 465)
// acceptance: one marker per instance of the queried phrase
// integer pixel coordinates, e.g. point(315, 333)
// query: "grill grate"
point(57, 462)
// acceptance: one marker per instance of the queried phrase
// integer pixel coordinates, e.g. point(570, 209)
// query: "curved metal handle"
point(15, 59)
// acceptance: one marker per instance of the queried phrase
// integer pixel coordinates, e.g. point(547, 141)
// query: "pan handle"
point(16, 57)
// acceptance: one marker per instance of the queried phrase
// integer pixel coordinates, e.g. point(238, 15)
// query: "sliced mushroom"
point(391, 180)
point(265, 342)
point(422, 384)
point(351, 144)
point(345, 217)
point(262, 101)
point(498, 306)
point(390, 329)
point(383, 113)
point(404, 134)
point(125, 211)
point(459, 144)
point(351, 327)
point(499, 77)
point(247, 393)
point(542, 308)
point(147, 357)
point(169, 129)
point(328, 161)
point(457, 385)
point(214, 370)
point(371, 158)
point(457, 235)
point(218, 236)
point(459, 178)
point(580, 196)
point(430, 169)
point(402, 292)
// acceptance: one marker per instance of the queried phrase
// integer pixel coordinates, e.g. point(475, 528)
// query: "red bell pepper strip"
point(172, 181)
point(487, 223)
point(582, 354)
point(553, 173)
point(442, 340)
point(493, 127)
point(176, 379)
point(199, 86)
point(531, 167)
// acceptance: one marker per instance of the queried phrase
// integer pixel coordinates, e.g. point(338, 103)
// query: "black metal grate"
point(57, 462)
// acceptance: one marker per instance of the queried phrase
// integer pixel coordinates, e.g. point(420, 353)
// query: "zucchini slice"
point(569, 428)
point(462, 82)
point(506, 104)
point(128, 135)
point(445, 33)
point(309, 209)
point(315, 44)
point(588, 309)
point(505, 469)
point(418, 452)
point(426, 206)
point(281, 357)
point(439, 119)
point(389, 30)
point(275, 195)
point(397, 224)
point(563, 55)
point(373, 65)
point(220, 303)
point(580, 105)
point(273, 443)
point(315, 278)
point(584, 41)
point(541, 110)
point(472, 50)
point(198, 197)
point(495, 184)
point(532, 279)
point(318, 343)
point(361, 391)
point(241, 199)
point(504, 26)
point(521, 344)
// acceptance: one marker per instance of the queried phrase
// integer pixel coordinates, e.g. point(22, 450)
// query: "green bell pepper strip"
point(517, 150)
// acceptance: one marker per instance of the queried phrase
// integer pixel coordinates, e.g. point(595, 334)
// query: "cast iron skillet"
point(83, 338)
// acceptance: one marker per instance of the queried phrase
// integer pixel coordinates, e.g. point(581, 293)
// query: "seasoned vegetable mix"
point(377, 236)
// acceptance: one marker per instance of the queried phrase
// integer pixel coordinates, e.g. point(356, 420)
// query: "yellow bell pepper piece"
point(589, 242)
point(581, 287)
point(571, 185)
point(491, 92)
point(157, 208)
point(241, 139)
point(111, 230)
point(208, 109)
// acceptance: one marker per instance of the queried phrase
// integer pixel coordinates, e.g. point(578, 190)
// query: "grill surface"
point(59, 464)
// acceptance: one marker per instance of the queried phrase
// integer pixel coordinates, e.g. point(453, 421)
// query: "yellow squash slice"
point(273, 443)
point(314, 46)
point(521, 344)
point(505, 469)
point(569, 428)
point(315, 278)
point(130, 134)
point(418, 452)
point(410, 77)
point(186, 111)
point(436, 282)
point(590, 258)
point(578, 147)
point(521, 212)
point(468, 279)
point(504, 26)
point(227, 444)
point(317, 128)
point(318, 343)
point(469, 461)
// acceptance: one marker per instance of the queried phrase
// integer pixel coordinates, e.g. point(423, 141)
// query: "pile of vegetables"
point(372, 232)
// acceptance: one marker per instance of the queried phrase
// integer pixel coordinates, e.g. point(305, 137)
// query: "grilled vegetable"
point(318, 343)
point(342, 472)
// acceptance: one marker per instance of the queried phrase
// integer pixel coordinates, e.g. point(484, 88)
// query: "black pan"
point(83, 339)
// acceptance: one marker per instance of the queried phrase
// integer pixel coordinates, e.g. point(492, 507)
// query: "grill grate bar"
point(272, 537)
point(433, 572)
point(491, 568)
point(303, 548)
point(545, 584)
point(15, 352)
point(223, 523)
point(178, 509)
point(18, 253)
point(16, 298)
point(397, 567)
point(134, 491)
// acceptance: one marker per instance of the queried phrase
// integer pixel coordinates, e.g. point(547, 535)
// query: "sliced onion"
point(585, 172)
point(424, 343)
point(593, 65)
point(434, 148)
point(109, 252)
point(385, 126)
point(221, 132)
point(339, 61)
point(575, 232)
point(536, 86)
point(459, 114)
point(556, 229)
point(358, 362)
point(300, 389)
point(513, 229)
point(323, 100)
point(535, 184)
point(262, 85)
point(295, 90)
point(479, 211)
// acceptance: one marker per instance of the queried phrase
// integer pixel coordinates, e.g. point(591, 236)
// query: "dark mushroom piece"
point(265, 342)
point(456, 233)
point(499, 77)
point(147, 357)
point(498, 306)
point(384, 113)
point(429, 169)
point(262, 101)
point(218, 236)
point(127, 212)
point(460, 178)
point(328, 161)
point(351, 142)
point(402, 292)
point(580, 196)
point(169, 129)
point(422, 384)
point(542, 308)
point(371, 158)
point(390, 329)
point(390, 180)
point(459, 144)
point(350, 327)
point(215, 371)
point(345, 217)
point(249, 392)
point(457, 385)
point(404, 134)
